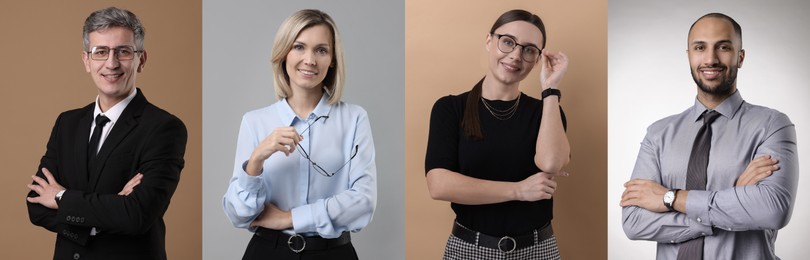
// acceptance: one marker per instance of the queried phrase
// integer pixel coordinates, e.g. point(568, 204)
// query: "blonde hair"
point(285, 37)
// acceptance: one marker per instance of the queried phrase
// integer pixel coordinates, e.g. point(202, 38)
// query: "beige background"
point(445, 55)
point(41, 75)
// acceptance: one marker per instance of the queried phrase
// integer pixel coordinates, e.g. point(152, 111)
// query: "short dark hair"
point(113, 17)
point(737, 28)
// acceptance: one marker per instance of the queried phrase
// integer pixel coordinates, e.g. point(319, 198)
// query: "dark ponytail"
point(471, 121)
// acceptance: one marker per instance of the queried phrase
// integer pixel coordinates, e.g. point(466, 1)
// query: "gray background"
point(237, 77)
point(648, 79)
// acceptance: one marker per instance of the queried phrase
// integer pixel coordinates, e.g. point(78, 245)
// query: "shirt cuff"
point(252, 184)
point(697, 210)
point(303, 220)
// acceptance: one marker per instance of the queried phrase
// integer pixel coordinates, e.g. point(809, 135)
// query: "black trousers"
point(264, 249)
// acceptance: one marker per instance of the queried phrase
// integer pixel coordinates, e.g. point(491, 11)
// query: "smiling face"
point(309, 60)
point(715, 53)
point(510, 68)
point(114, 78)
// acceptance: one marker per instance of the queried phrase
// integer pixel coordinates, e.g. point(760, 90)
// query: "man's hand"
point(273, 218)
point(540, 186)
point(131, 184)
point(757, 170)
point(46, 189)
point(646, 194)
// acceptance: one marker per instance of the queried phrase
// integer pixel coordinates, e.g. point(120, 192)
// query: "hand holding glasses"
point(553, 66)
point(282, 139)
point(317, 167)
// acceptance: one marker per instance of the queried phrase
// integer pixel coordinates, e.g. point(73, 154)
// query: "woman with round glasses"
point(494, 152)
point(304, 176)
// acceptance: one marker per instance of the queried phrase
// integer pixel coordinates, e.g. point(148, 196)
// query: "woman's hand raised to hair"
point(553, 66)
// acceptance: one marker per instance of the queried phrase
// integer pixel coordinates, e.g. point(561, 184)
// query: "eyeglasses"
point(122, 53)
point(317, 167)
point(507, 44)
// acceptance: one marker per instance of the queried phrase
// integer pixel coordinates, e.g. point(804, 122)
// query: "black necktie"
point(92, 148)
point(696, 179)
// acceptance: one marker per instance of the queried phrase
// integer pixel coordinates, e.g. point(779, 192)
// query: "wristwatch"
point(59, 195)
point(669, 199)
point(550, 92)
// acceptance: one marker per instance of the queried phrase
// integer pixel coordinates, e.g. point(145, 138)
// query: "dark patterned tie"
point(92, 148)
point(696, 178)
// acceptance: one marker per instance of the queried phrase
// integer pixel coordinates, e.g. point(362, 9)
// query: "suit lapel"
point(122, 128)
point(82, 139)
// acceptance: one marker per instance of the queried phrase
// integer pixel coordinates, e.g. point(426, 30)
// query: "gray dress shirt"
point(737, 222)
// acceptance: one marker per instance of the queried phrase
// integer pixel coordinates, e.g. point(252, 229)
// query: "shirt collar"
point(728, 108)
point(288, 115)
point(115, 111)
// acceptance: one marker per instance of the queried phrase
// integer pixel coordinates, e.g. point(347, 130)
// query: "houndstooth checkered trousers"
point(458, 249)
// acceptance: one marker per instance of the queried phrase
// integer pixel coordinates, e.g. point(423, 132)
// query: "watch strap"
point(551, 91)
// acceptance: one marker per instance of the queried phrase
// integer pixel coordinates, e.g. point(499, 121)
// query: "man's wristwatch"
point(59, 195)
point(669, 199)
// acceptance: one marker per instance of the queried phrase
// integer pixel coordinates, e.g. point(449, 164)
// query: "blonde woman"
point(304, 175)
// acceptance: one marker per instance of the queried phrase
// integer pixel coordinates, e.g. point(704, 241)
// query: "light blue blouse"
point(326, 206)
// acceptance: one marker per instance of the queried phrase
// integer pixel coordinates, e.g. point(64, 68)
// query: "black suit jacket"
point(145, 139)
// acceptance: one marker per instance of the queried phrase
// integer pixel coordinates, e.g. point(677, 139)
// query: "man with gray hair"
point(111, 167)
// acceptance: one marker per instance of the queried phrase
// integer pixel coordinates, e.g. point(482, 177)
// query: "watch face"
point(669, 196)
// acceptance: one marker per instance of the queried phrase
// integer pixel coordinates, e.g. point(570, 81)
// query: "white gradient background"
point(237, 77)
point(649, 79)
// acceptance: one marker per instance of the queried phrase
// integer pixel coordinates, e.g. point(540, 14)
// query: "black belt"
point(298, 243)
point(506, 243)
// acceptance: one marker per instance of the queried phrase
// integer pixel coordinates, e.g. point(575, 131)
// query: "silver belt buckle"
point(500, 242)
point(290, 243)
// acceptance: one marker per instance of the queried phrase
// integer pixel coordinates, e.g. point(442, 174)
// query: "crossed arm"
point(133, 210)
point(761, 199)
point(649, 194)
point(47, 188)
point(448, 185)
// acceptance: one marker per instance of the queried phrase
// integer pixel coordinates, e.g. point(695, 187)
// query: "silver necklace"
point(502, 114)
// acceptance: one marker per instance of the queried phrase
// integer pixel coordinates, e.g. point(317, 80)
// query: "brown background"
point(445, 55)
point(42, 74)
